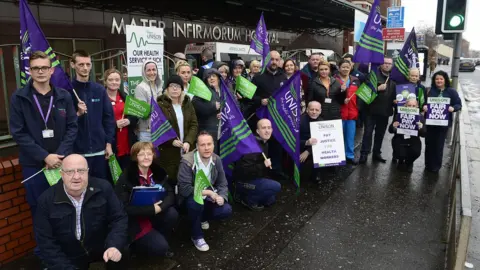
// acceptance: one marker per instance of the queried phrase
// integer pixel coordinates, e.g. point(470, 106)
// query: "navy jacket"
point(26, 125)
point(451, 93)
point(96, 128)
point(103, 220)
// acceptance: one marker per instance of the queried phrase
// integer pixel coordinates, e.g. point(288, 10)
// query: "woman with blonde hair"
point(184, 70)
point(178, 109)
point(254, 69)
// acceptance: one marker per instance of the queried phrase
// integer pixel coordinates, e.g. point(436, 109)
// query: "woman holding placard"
point(442, 101)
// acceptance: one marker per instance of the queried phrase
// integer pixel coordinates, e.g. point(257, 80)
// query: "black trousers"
point(408, 150)
point(379, 124)
point(434, 144)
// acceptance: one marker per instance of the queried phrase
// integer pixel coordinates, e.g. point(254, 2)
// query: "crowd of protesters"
point(87, 217)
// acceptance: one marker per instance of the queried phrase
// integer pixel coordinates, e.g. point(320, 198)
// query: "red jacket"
point(350, 111)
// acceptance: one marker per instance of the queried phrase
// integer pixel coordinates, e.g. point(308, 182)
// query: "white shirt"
point(179, 115)
point(206, 169)
point(78, 210)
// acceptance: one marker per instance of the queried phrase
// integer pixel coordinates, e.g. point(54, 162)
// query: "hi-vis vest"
point(207, 66)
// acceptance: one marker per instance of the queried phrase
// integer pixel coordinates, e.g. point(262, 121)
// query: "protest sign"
point(408, 119)
point(329, 150)
point(404, 93)
point(437, 112)
point(245, 87)
point(143, 43)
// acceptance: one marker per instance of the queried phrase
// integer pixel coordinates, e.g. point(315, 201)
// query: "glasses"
point(71, 172)
point(37, 69)
point(174, 86)
point(145, 154)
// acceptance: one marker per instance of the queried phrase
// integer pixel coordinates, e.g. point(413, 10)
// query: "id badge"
point(406, 136)
point(47, 133)
point(328, 100)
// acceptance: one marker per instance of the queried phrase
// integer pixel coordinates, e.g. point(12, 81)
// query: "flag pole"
point(32, 176)
point(265, 157)
point(76, 95)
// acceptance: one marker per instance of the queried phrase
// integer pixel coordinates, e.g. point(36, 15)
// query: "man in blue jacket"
point(80, 220)
point(43, 123)
point(96, 124)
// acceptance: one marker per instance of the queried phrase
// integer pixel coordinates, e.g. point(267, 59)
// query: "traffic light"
point(454, 16)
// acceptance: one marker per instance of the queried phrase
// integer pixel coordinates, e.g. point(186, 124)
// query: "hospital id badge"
point(47, 133)
point(328, 100)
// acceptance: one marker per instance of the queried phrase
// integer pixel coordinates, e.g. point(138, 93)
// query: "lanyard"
point(45, 119)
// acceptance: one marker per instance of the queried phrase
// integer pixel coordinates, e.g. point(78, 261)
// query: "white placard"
point(330, 148)
point(143, 43)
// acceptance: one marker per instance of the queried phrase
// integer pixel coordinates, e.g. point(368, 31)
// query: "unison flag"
point(115, 169)
point(407, 59)
point(368, 90)
point(283, 110)
point(161, 128)
point(32, 39)
point(135, 107)
point(370, 47)
point(236, 138)
point(260, 42)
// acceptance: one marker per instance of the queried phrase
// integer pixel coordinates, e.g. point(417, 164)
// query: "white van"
point(301, 55)
point(225, 52)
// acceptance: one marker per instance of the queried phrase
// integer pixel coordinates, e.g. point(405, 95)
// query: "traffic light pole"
point(457, 52)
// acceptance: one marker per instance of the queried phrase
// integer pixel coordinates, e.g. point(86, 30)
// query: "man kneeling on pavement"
point(80, 220)
point(215, 206)
point(253, 186)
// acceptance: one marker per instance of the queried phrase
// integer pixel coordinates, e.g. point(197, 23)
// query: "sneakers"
point(200, 244)
point(253, 207)
point(205, 225)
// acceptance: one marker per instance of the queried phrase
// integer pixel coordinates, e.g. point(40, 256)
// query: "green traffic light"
point(456, 20)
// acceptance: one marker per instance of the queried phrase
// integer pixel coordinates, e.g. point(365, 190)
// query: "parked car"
point(467, 65)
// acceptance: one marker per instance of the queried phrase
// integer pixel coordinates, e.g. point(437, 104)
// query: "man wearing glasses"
point(80, 220)
point(43, 123)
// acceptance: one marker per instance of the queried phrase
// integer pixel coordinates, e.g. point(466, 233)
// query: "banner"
point(404, 93)
point(408, 118)
point(143, 43)
point(283, 110)
point(199, 88)
point(437, 112)
point(260, 42)
point(115, 169)
point(52, 175)
point(201, 183)
point(161, 129)
point(136, 107)
point(330, 148)
point(236, 137)
point(370, 47)
point(245, 87)
point(407, 59)
point(32, 39)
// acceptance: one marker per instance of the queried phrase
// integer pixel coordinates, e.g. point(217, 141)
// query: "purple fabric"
point(32, 39)
point(260, 42)
point(407, 59)
point(283, 110)
point(370, 47)
point(162, 130)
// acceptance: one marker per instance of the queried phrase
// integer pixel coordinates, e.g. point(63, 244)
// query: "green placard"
point(245, 87)
point(199, 89)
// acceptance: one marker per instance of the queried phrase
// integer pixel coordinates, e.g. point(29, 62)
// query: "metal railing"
point(460, 207)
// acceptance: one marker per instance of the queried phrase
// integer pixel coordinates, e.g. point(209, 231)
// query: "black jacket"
point(399, 143)
point(318, 92)
point(104, 224)
point(251, 166)
point(132, 137)
point(123, 189)
point(305, 134)
point(383, 104)
point(267, 83)
point(207, 113)
point(26, 125)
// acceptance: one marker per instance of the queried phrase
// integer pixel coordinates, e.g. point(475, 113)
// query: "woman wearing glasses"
point(178, 109)
point(148, 225)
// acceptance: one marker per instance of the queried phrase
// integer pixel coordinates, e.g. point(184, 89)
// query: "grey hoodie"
point(144, 92)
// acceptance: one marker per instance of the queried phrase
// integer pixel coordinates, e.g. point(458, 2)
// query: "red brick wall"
point(16, 231)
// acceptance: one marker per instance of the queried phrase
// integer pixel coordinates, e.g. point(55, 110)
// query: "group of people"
point(87, 215)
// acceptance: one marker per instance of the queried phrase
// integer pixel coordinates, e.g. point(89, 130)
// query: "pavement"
point(369, 216)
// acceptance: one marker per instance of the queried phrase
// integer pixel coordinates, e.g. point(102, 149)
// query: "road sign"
point(420, 38)
point(395, 17)
point(394, 34)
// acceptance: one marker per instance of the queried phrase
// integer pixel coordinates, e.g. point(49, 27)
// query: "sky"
point(420, 12)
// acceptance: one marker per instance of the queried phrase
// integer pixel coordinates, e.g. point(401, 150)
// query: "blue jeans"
point(144, 136)
point(98, 167)
point(198, 213)
point(155, 243)
point(261, 191)
point(349, 129)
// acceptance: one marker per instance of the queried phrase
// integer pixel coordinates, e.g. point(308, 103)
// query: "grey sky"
point(418, 12)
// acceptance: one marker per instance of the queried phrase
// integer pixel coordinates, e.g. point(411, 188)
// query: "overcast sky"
point(418, 12)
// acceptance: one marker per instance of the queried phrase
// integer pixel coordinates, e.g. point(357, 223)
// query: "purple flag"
point(162, 130)
point(236, 138)
point(283, 110)
point(260, 42)
point(370, 47)
point(407, 59)
point(32, 39)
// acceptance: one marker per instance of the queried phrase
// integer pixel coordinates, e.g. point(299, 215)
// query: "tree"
point(431, 39)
